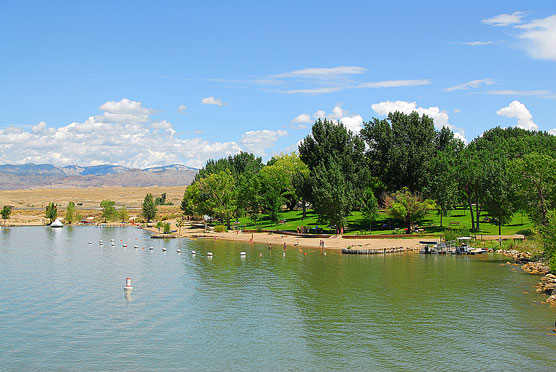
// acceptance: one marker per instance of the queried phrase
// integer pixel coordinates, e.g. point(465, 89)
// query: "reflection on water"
point(63, 307)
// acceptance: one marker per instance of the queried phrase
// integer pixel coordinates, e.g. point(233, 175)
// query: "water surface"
point(62, 307)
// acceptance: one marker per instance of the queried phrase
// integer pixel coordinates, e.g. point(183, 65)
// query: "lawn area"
point(458, 218)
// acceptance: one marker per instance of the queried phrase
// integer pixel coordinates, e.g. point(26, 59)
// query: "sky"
point(142, 83)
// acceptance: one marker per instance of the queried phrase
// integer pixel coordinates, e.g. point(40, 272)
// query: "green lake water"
point(62, 308)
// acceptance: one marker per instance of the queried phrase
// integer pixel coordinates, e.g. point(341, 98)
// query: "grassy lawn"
point(458, 218)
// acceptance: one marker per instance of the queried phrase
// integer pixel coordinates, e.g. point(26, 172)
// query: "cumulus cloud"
point(505, 19)
point(470, 84)
point(518, 110)
point(39, 127)
point(302, 118)
point(440, 118)
point(351, 122)
point(256, 141)
point(212, 101)
point(182, 108)
point(140, 143)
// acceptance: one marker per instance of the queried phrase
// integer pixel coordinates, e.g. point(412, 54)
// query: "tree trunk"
point(471, 210)
point(304, 210)
point(499, 225)
point(477, 207)
point(441, 218)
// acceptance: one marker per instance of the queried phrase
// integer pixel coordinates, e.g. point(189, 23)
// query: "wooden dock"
point(376, 251)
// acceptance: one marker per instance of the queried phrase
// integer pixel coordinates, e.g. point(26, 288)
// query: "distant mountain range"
point(28, 176)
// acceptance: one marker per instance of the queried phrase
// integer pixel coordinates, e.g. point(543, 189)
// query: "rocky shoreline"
point(547, 284)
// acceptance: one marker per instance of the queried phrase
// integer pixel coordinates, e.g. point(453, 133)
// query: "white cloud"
point(257, 141)
point(313, 90)
point(470, 84)
point(440, 118)
point(351, 122)
point(456, 110)
point(326, 72)
point(302, 118)
point(552, 131)
point(475, 43)
point(539, 37)
point(182, 108)
point(394, 83)
point(39, 127)
point(140, 143)
point(518, 110)
point(212, 101)
point(505, 19)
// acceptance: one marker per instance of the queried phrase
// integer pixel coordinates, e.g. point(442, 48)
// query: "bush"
point(220, 228)
point(166, 228)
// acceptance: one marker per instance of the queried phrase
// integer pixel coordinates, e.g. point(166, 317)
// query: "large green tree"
point(534, 176)
point(109, 212)
point(499, 191)
point(400, 147)
point(369, 207)
point(149, 208)
point(338, 170)
point(219, 189)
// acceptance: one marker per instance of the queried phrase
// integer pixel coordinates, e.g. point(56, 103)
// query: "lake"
point(62, 307)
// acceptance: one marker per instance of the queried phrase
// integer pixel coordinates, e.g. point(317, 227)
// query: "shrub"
point(220, 228)
point(166, 228)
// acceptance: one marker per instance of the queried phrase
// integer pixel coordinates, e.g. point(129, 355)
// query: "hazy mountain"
point(27, 176)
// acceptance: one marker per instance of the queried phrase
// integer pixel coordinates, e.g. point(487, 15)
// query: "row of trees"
point(401, 163)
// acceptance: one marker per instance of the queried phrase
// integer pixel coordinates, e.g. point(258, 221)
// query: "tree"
point(5, 212)
point(499, 195)
point(272, 182)
point(535, 180)
point(108, 210)
point(167, 228)
point(161, 200)
point(123, 215)
point(546, 235)
point(70, 213)
point(407, 206)
point(338, 170)
point(369, 209)
point(220, 195)
point(303, 187)
point(51, 212)
point(442, 184)
point(159, 225)
point(285, 168)
point(179, 224)
point(149, 208)
point(400, 147)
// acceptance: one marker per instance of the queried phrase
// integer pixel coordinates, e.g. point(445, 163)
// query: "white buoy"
point(209, 254)
point(90, 242)
point(193, 252)
point(242, 253)
point(179, 250)
point(112, 240)
point(284, 254)
point(136, 246)
point(100, 242)
point(151, 248)
point(125, 245)
point(128, 288)
point(163, 249)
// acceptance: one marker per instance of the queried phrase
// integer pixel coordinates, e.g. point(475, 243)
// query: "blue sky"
point(152, 83)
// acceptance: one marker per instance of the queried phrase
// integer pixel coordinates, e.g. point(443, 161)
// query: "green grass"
point(458, 218)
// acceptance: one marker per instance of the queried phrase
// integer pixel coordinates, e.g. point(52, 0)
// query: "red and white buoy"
point(128, 286)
